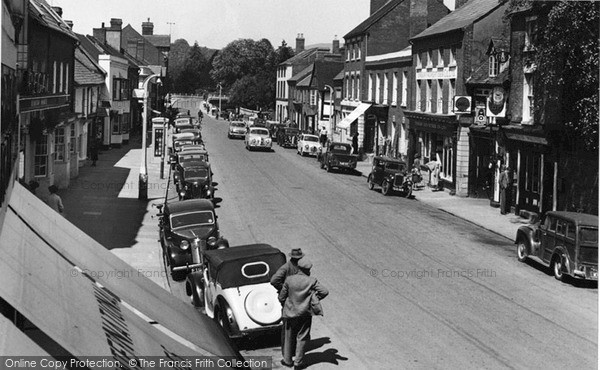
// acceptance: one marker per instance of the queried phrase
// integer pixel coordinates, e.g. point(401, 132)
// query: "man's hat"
point(305, 264)
point(296, 253)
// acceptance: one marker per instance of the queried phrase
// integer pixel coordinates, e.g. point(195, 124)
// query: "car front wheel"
point(386, 188)
point(522, 250)
point(221, 319)
point(557, 266)
point(370, 182)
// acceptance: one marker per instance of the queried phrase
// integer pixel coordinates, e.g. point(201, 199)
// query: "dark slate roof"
point(373, 18)
point(87, 70)
point(109, 50)
point(301, 56)
point(151, 53)
point(481, 76)
point(324, 73)
point(300, 75)
point(159, 41)
point(461, 17)
point(339, 76)
point(42, 12)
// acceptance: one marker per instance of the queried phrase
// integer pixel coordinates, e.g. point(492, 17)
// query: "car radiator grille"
point(398, 180)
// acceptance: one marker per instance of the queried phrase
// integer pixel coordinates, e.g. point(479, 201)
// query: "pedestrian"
point(296, 297)
point(504, 183)
point(33, 185)
point(323, 136)
point(94, 152)
point(54, 200)
point(355, 143)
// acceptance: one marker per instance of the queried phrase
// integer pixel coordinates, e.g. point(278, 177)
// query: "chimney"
point(116, 23)
point(100, 34)
point(459, 3)
point(70, 24)
point(57, 10)
point(335, 47)
point(147, 28)
point(376, 4)
point(299, 43)
point(417, 17)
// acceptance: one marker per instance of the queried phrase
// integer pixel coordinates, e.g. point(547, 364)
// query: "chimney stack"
point(100, 34)
point(116, 23)
point(335, 47)
point(58, 10)
point(70, 24)
point(147, 28)
point(299, 43)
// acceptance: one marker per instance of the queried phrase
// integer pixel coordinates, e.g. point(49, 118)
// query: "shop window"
point(40, 161)
point(60, 145)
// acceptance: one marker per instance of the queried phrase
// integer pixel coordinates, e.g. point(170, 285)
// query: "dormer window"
point(494, 65)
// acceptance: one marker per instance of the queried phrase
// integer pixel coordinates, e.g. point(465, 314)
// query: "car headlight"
point(306, 146)
point(184, 245)
point(320, 148)
point(212, 241)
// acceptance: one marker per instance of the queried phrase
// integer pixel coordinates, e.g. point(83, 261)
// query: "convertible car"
point(234, 288)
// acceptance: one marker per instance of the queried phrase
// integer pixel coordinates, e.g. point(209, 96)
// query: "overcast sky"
point(215, 23)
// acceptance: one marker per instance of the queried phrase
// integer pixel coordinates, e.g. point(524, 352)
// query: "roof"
point(339, 76)
point(373, 18)
point(87, 72)
point(149, 54)
point(190, 205)
point(302, 74)
point(325, 71)
point(301, 56)
point(218, 257)
point(461, 17)
point(481, 76)
point(159, 41)
point(42, 12)
point(578, 218)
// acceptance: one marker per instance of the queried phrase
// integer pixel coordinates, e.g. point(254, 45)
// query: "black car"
point(391, 174)
point(193, 179)
point(338, 155)
point(287, 137)
point(185, 226)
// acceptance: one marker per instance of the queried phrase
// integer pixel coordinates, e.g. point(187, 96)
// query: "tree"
point(177, 57)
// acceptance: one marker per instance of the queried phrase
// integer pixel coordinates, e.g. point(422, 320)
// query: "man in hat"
point(295, 297)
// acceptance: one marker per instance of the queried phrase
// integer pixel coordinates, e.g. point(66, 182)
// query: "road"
point(411, 286)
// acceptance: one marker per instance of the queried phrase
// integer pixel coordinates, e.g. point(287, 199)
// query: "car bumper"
point(344, 165)
point(260, 146)
point(235, 134)
point(258, 330)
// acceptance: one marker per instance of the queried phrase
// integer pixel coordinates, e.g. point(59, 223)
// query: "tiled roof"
point(373, 18)
point(461, 17)
point(86, 71)
point(304, 54)
point(481, 76)
point(160, 41)
point(300, 75)
point(325, 71)
point(339, 76)
point(42, 12)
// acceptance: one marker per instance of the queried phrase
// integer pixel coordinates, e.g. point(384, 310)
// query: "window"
point(352, 91)
point(115, 89)
point(66, 77)
point(40, 165)
point(530, 32)
point(405, 88)
point(358, 51)
point(377, 88)
point(348, 54)
point(429, 59)
point(116, 124)
point(125, 123)
point(428, 95)
point(571, 230)
point(452, 57)
point(353, 46)
point(59, 145)
point(527, 97)
point(313, 97)
point(418, 97)
point(385, 88)
point(395, 88)
point(60, 80)
point(73, 140)
point(54, 76)
point(347, 87)
point(451, 93)
point(370, 94)
point(418, 60)
point(439, 96)
point(357, 87)
point(494, 66)
point(440, 57)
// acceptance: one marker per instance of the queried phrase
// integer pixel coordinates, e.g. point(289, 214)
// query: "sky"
point(215, 23)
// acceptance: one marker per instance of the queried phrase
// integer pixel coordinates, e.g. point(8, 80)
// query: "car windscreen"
point(192, 157)
point(259, 131)
point(395, 166)
point(338, 148)
point(291, 131)
point(311, 138)
point(238, 124)
point(588, 236)
point(192, 173)
point(202, 218)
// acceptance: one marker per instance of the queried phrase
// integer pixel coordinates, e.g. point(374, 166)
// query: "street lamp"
point(331, 127)
point(143, 178)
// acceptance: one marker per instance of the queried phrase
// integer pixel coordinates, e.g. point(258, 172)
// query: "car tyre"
point(557, 266)
point(327, 167)
point(407, 191)
point(221, 319)
point(386, 188)
point(370, 182)
point(522, 249)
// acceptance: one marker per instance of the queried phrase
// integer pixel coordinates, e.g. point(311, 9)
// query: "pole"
point(331, 91)
point(143, 177)
point(220, 90)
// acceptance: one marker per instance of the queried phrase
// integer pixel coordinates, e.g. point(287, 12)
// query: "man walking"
point(295, 297)
point(504, 182)
point(323, 136)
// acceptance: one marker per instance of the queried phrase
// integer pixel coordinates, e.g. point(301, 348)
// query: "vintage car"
point(183, 121)
point(391, 174)
point(237, 129)
point(567, 242)
point(233, 286)
point(186, 138)
point(273, 127)
point(308, 145)
point(186, 225)
point(338, 155)
point(287, 137)
point(258, 138)
point(194, 180)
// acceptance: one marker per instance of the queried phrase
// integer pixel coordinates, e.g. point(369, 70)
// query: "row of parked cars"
point(229, 284)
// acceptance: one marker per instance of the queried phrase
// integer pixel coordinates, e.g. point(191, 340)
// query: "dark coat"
point(287, 269)
point(296, 292)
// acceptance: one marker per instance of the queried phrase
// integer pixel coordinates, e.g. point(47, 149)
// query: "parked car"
point(186, 154)
point(194, 180)
point(567, 242)
point(237, 129)
point(274, 127)
point(186, 225)
point(391, 174)
point(234, 288)
point(183, 121)
point(338, 155)
point(186, 138)
point(258, 138)
point(287, 137)
point(308, 145)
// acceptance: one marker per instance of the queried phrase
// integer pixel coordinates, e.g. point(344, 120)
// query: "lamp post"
point(143, 178)
point(331, 127)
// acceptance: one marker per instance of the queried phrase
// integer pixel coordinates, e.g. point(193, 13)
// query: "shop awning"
point(88, 300)
point(357, 112)
point(526, 138)
point(13, 342)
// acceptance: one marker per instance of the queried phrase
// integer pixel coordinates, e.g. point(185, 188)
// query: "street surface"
point(410, 286)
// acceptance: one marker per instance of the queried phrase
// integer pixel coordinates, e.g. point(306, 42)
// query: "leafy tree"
point(177, 56)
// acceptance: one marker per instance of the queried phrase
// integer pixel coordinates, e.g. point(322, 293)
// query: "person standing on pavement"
point(323, 136)
point(355, 143)
point(94, 152)
point(504, 183)
point(54, 200)
point(295, 297)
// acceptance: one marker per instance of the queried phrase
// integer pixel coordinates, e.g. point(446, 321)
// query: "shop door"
point(530, 181)
point(369, 137)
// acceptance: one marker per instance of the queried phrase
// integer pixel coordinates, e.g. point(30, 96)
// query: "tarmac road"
point(411, 286)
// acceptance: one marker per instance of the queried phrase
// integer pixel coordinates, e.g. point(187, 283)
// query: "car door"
point(378, 171)
point(209, 282)
point(548, 232)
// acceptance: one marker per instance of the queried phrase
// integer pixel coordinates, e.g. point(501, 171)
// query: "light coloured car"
point(233, 286)
point(309, 145)
point(237, 129)
point(258, 138)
